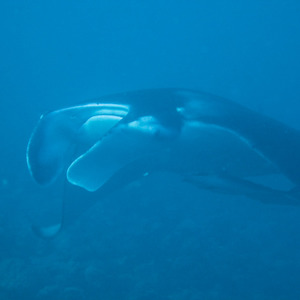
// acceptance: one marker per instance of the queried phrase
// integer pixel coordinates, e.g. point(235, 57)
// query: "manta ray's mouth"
point(96, 109)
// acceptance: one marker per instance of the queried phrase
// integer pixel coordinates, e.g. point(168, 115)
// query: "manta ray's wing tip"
point(47, 232)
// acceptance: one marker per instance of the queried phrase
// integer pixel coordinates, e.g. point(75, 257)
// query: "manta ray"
point(212, 142)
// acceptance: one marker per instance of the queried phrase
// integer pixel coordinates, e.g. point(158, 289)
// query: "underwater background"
point(160, 238)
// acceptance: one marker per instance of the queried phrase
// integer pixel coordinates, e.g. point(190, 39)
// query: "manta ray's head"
point(90, 143)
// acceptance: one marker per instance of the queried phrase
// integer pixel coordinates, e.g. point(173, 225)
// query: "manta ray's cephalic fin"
point(51, 143)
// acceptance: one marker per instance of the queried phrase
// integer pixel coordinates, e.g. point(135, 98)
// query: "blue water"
point(160, 238)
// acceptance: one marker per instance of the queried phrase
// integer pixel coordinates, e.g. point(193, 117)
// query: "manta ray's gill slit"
point(113, 109)
point(93, 109)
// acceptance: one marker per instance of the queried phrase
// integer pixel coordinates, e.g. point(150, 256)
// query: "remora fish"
point(122, 137)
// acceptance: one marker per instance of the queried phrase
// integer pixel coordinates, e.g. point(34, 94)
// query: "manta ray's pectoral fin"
point(273, 140)
point(229, 185)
